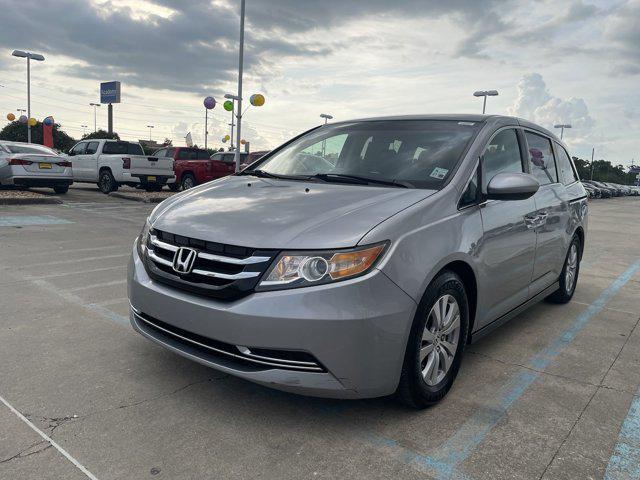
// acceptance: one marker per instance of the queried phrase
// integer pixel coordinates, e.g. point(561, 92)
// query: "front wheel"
point(61, 189)
point(106, 182)
point(569, 276)
point(436, 342)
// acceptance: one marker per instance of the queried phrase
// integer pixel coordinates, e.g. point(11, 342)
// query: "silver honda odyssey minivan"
point(358, 259)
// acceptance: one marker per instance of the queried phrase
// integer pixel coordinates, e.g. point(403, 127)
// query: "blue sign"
point(110, 92)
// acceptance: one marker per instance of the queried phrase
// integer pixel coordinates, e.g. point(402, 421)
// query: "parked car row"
point(607, 190)
point(112, 163)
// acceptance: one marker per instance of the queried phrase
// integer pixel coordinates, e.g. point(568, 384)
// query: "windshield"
point(418, 153)
point(30, 149)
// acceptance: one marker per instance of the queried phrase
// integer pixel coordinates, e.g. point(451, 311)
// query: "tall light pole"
point(233, 99)
point(562, 126)
point(150, 127)
point(593, 151)
point(29, 56)
point(326, 117)
point(485, 94)
point(21, 110)
point(95, 115)
point(84, 130)
point(240, 65)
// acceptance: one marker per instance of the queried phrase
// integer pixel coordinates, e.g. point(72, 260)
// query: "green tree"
point(100, 134)
point(17, 132)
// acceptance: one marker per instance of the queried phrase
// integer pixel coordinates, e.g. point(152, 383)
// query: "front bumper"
point(356, 329)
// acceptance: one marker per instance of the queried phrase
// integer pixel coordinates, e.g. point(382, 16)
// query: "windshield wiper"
point(341, 177)
point(265, 174)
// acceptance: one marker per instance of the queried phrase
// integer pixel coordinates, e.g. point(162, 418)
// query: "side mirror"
point(71, 153)
point(512, 186)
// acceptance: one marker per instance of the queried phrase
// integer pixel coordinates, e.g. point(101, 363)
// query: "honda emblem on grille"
point(184, 259)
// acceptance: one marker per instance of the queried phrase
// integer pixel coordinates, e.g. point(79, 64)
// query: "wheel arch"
point(580, 233)
point(469, 279)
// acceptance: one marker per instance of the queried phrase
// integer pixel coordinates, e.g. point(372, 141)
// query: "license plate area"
point(151, 178)
point(44, 166)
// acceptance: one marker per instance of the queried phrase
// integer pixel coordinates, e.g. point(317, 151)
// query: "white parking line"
point(46, 437)
point(75, 260)
point(96, 285)
point(79, 272)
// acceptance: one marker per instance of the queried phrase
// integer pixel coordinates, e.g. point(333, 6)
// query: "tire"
point(106, 182)
point(188, 181)
point(62, 189)
point(419, 386)
point(153, 188)
point(174, 187)
point(569, 275)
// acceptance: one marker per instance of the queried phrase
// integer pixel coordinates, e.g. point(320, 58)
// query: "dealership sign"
point(110, 92)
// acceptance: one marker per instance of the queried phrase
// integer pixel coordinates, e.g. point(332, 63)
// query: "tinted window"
point(203, 155)
point(161, 153)
point(170, 152)
point(420, 153)
point(185, 154)
point(541, 160)
point(118, 148)
point(470, 195)
point(565, 169)
point(79, 149)
point(216, 156)
point(229, 158)
point(501, 155)
point(92, 147)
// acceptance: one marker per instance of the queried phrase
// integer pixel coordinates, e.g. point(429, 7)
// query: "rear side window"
point(203, 155)
point(565, 169)
point(92, 147)
point(161, 153)
point(541, 161)
point(502, 155)
point(185, 154)
point(118, 148)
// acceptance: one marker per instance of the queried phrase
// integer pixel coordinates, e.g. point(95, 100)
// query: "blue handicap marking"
point(28, 220)
point(625, 461)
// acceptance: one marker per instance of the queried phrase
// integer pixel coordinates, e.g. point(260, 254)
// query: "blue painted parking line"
point(625, 461)
point(28, 220)
point(443, 463)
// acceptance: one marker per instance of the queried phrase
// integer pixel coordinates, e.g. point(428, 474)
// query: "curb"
point(134, 198)
point(29, 201)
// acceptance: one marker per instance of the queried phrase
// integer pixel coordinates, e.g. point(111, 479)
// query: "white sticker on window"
point(439, 173)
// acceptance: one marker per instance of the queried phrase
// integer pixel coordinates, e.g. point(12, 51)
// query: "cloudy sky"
point(575, 61)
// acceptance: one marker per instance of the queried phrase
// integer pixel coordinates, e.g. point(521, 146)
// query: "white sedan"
point(33, 165)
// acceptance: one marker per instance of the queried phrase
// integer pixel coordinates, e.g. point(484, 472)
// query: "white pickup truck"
point(111, 163)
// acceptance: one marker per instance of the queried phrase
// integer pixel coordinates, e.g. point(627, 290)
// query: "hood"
point(281, 214)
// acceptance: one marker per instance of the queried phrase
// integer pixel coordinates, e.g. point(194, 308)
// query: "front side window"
point(502, 155)
point(541, 161)
point(79, 149)
point(203, 155)
point(415, 153)
point(565, 169)
point(92, 147)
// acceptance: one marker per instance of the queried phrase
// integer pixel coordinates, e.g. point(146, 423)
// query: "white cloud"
point(535, 103)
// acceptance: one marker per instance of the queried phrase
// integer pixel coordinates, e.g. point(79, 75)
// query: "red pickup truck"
point(194, 166)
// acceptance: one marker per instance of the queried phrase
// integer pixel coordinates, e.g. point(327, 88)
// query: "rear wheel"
point(61, 189)
point(106, 182)
point(569, 276)
point(436, 343)
point(188, 181)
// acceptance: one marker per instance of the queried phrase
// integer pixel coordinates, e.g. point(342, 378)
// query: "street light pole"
point(150, 127)
point(29, 56)
point(593, 151)
point(95, 116)
point(485, 94)
point(326, 117)
point(562, 126)
point(240, 65)
point(84, 130)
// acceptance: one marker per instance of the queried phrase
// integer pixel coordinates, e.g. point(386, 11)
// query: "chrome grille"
point(219, 270)
point(215, 351)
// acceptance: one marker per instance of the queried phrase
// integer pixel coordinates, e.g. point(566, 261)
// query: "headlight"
point(143, 238)
point(303, 269)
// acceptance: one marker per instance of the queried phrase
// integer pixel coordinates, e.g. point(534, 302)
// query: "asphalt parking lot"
point(553, 394)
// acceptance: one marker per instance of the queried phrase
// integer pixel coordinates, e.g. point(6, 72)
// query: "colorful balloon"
point(243, 141)
point(257, 100)
point(23, 119)
point(224, 139)
point(32, 122)
point(227, 137)
point(209, 103)
point(228, 105)
point(11, 117)
point(48, 121)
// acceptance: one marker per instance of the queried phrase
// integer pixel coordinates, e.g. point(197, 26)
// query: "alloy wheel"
point(440, 339)
point(571, 269)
